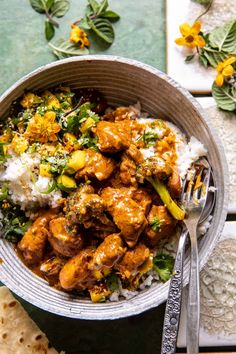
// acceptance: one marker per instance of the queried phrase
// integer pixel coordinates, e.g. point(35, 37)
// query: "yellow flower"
point(43, 128)
point(29, 99)
point(190, 35)
point(224, 69)
point(19, 144)
point(77, 35)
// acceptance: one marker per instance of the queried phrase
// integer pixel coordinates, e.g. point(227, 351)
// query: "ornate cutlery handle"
point(173, 304)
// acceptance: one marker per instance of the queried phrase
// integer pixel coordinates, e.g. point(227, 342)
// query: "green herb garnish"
point(150, 138)
point(112, 281)
point(88, 141)
point(57, 163)
point(73, 121)
point(14, 223)
point(163, 265)
point(156, 224)
point(4, 192)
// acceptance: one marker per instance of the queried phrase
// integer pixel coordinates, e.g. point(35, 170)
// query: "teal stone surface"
point(140, 34)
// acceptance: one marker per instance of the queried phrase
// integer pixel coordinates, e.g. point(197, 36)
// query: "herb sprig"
point(99, 20)
point(51, 8)
point(13, 222)
point(163, 265)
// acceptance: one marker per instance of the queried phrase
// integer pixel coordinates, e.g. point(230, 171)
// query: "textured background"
point(140, 34)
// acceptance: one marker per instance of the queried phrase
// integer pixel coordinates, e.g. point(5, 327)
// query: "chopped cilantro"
point(150, 137)
point(155, 224)
point(112, 281)
point(4, 192)
point(14, 223)
point(163, 265)
point(57, 162)
point(88, 141)
point(73, 121)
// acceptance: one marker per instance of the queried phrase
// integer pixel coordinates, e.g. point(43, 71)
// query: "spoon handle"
point(173, 304)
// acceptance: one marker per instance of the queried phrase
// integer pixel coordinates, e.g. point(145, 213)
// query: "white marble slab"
point(192, 76)
point(210, 339)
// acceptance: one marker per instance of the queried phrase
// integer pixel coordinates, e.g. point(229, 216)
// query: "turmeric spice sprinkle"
point(78, 190)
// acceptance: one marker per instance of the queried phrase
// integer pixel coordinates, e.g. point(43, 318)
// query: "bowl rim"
point(125, 308)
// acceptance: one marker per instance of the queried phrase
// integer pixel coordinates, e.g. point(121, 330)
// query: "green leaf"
point(49, 4)
point(103, 6)
point(225, 97)
point(39, 5)
point(211, 57)
point(103, 28)
point(60, 8)
point(224, 37)
point(49, 30)
point(94, 5)
point(203, 60)
point(163, 265)
point(89, 11)
point(64, 49)
point(189, 58)
point(110, 15)
point(84, 23)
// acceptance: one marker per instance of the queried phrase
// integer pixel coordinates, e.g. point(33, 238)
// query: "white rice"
point(188, 152)
point(20, 172)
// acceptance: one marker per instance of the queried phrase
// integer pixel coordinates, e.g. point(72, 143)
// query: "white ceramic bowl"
point(123, 82)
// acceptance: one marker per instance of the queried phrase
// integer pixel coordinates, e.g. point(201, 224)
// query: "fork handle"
point(173, 304)
point(193, 316)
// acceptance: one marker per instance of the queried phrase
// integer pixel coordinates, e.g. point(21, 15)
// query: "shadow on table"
point(134, 335)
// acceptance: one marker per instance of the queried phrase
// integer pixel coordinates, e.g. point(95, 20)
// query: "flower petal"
point(191, 45)
point(229, 61)
point(196, 27)
point(200, 41)
point(219, 67)
point(185, 29)
point(219, 80)
point(228, 71)
point(180, 41)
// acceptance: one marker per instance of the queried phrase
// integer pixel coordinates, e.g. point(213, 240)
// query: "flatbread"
point(18, 332)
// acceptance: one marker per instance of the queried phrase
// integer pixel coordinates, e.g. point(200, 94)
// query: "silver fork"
point(193, 201)
point(173, 305)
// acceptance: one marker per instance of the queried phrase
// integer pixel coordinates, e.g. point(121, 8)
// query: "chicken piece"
point(132, 261)
point(128, 167)
point(134, 153)
point(63, 240)
point(174, 184)
point(128, 171)
point(87, 208)
point(161, 225)
point(143, 199)
point(113, 137)
point(76, 274)
point(96, 166)
point(33, 243)
point(51, 268)
point(153, 166)
point(126, 213)
point(108, 252)
point(122, 113)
